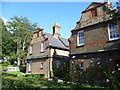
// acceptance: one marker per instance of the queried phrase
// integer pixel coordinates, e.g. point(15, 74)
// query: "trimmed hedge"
point(18, 83)
point(23, 83)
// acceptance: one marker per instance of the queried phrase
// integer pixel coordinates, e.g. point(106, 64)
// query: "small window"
point(94, 12)
point(30, 66)
point(31, 49)
point(42, 46)
point(42, 65)
point(81, 38)
point(113, 31)
point(81, 65)
point(57, 63)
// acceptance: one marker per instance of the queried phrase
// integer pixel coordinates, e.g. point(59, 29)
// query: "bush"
point(5, 63)
point(4, 69)
point(55, 79)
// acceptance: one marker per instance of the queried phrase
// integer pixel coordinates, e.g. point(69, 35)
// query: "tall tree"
point(21, 30)
point(8, 45)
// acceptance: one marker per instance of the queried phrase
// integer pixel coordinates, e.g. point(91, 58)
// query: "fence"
point(12, 69)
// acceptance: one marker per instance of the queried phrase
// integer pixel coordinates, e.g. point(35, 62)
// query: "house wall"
point(36, 67)
point(59, 52)
point(97, 45)
point(105, 58)
point(62, 57)
point(96, 38)
point(87, 15)
point(36, 51)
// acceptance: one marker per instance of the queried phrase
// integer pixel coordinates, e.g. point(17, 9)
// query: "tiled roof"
point(57, 42)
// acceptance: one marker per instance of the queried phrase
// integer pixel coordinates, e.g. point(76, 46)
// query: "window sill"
point(42, 52)
point(29, 71)
point(110, 40)
point(81, 45)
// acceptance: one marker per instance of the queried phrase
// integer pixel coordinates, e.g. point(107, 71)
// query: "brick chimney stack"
point(56, 30)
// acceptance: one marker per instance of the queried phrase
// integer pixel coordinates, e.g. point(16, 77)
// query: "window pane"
point(31, 48)
point(81, 65)
point(80, 37)
point(42, 47)
point(113, 29)
point(30, 66)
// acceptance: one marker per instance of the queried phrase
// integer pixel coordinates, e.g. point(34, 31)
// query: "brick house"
point(96, 37)
point(47, 52)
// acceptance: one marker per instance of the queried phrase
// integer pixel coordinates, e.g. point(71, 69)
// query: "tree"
point(8, 45)
point(22, 31)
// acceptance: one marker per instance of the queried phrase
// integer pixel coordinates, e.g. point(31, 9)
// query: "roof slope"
point(57, 42)
point(99, 19)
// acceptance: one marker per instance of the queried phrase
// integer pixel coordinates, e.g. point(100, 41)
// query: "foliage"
point(55, 79)
point(5, 63)
point(21, 32)
point(14, 82)
point(75, 73)
point(35, 75)
point(8, 44)
point(96, 75)
point(62, 72)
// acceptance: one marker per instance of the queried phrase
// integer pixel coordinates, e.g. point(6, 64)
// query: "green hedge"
point(23, 83)
point(18, 83)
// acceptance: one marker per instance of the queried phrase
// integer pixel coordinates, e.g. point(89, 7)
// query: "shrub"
point(55, 79)
point(35, 75)
point(5, 63)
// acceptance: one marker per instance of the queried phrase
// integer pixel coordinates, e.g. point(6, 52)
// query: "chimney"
point(108, 1)
point(56, 30)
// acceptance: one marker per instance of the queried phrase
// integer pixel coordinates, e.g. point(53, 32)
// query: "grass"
point(15, 73)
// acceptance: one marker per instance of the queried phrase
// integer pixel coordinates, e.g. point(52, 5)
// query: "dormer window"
point(94, 12)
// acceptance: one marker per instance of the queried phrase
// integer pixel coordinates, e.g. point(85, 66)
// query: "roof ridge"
point(62, 41)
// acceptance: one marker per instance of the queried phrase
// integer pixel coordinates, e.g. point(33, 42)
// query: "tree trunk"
point(18, 54)
point(18, 60)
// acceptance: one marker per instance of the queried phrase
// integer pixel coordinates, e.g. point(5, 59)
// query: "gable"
point(92, 5)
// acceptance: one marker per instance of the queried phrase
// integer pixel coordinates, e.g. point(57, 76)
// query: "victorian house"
point(48, 53)
point(96, 37)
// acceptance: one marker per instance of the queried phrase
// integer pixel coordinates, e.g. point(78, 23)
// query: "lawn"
point(15, 73)
point(15, 82)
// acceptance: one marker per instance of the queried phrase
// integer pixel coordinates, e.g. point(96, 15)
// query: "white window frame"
point(114, 33)
point(31, 49)
point(30, 66)
point(81, 66)
point(42, 46)
point(79, 37)
point(42, 65)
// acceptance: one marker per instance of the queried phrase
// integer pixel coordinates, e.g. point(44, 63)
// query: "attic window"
point(94, 12)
